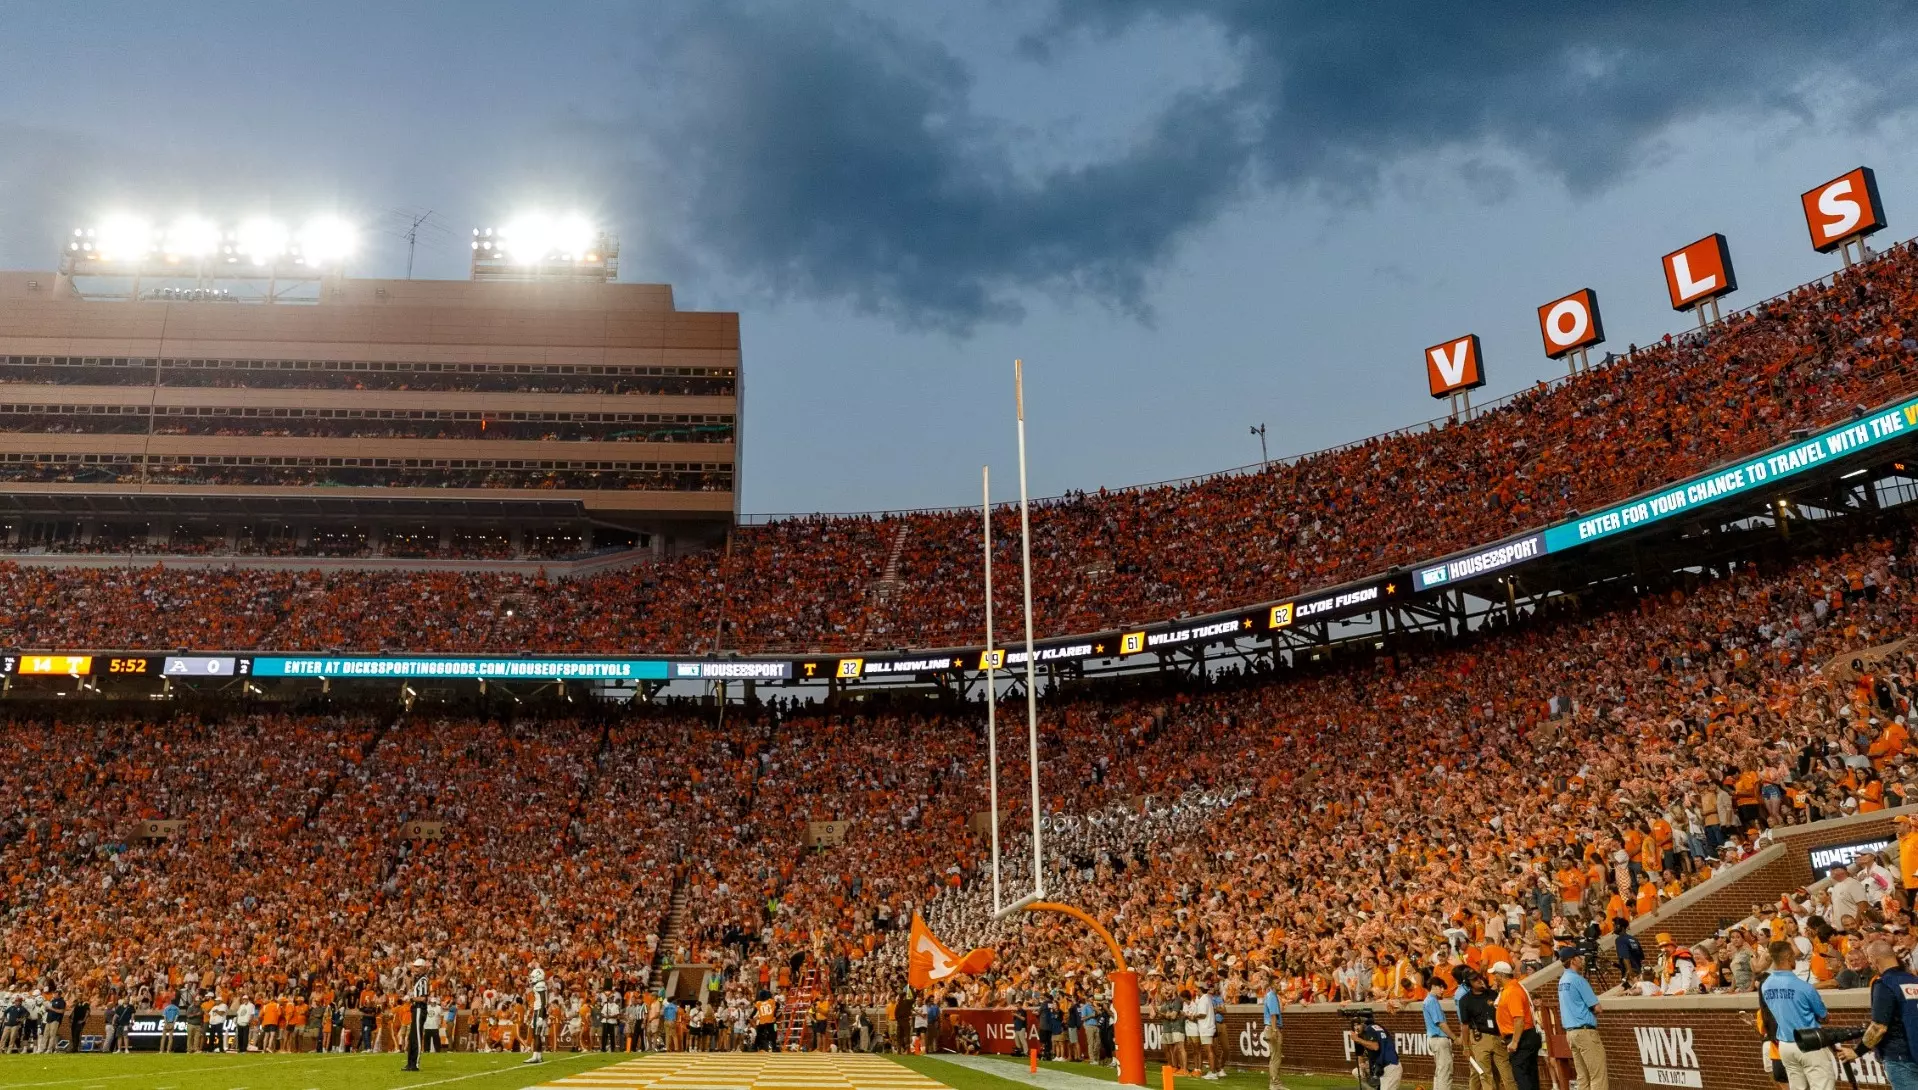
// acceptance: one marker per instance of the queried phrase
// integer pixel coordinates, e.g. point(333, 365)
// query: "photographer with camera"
point(1382, 1055)
point(1894, 1017)
point(1786, 1005)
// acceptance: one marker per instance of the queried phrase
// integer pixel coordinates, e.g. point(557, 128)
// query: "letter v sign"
point(1454, 366)
point(1451, 365)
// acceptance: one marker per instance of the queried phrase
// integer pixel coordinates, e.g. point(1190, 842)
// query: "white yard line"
point(496, 1071)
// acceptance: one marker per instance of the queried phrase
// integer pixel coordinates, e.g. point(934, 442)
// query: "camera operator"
point(1894, 1017)
point(1382, 1055)
point(1789, 1005)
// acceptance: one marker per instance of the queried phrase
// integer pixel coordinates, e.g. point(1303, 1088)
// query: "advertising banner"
point(1763, 471)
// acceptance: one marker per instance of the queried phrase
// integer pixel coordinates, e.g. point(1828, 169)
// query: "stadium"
point(390, 676)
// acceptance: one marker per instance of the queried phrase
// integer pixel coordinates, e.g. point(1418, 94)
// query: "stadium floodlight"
point(190, 237)
point(121, 237)
point(261, 241)
point(537, 237)
point(327, 240)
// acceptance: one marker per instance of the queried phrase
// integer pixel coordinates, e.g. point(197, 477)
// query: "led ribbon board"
point(1739, 478)
point(498, 669)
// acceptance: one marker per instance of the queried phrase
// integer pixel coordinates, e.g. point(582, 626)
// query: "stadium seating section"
point(1588, 759)
point(1101, 560)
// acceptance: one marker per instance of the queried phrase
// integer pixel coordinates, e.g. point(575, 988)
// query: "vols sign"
point(1454, 366)
point(1843, 209)
point(1699, 272)
point(929, 961)
point(1570, 324)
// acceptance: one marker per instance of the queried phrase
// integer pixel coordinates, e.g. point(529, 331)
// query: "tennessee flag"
point(928, 961)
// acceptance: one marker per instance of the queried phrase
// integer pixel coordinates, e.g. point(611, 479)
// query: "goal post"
point(1128, 1032)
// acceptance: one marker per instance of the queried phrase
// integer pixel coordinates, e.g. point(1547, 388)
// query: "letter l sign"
point(1682, 272)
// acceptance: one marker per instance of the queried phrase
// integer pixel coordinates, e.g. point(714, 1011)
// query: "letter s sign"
point(1845, 208)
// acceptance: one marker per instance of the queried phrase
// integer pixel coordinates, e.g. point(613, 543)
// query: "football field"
point(569, 1071)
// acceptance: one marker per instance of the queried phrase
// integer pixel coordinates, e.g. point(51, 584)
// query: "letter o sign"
point(1570, 323)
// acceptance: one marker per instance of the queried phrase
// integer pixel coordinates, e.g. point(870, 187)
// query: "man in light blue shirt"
point(1793, 1005)
point(1436, 1035)
point(1274, 1032)
point(1578, 1013)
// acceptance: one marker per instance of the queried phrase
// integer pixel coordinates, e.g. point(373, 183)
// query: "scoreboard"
point(32, 664)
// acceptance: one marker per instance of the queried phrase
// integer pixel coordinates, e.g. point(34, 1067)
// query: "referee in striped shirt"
point(421, 989)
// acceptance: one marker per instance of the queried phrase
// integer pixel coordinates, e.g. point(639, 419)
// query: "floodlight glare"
point(262, 241)
point(123, 238)
point(537, 236)
point(572, 235)
point(326, 240)
point(191, 236)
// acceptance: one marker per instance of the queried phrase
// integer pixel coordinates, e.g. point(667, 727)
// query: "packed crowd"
point(1107, 559)
point(1343, 829)
point(337, 375)
point(1560, 778)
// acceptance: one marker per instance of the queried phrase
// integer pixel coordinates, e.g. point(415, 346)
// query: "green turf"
point(466, 1071)
point(1234, 1080)
point(358, 1071)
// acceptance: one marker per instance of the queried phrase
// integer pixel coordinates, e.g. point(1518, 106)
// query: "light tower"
point(255, 260)
point(538, 246)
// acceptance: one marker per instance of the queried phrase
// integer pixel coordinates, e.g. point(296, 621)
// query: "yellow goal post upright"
point(1128, 1035)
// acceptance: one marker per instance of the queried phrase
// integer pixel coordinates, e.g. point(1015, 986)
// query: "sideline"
point(1046, 1078)
point(93, 1079)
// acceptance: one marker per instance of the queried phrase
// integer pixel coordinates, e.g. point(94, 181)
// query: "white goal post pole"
point(1032, 693)
point(992, 683)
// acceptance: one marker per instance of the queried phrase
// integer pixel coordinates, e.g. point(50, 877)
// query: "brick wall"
point(1780, 868)
point(1708, 1042)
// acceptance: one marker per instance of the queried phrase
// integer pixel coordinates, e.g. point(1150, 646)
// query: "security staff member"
point(1478, 1013)
point(1792, 1005)
point(1578, 1012)
point(1893, 1032)
point(1272, 1008)
point(1437, 1035)
point(1518, 1025)
point(1474, 1077)
point(419, 992)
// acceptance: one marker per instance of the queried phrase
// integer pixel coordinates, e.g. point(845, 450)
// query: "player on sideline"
point(417, 1028)
point(538, 985)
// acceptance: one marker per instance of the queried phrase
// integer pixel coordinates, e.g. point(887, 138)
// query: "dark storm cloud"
point(823, 153)
point(1585, 91)
point(830, 155)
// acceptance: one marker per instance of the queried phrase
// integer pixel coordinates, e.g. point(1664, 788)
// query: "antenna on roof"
point(414, 220)
point(413, 238)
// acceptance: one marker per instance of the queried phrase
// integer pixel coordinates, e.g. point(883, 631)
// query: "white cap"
point(419, 963)
point(1502, 967)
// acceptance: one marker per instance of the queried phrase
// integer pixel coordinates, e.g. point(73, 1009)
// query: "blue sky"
point(1188, 217)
